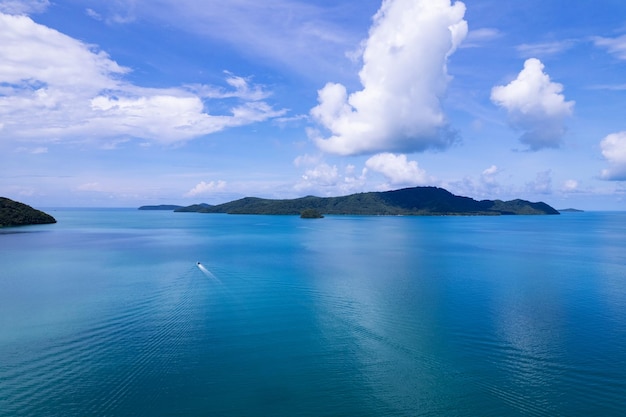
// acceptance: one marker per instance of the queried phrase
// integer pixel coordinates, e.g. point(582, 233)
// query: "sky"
point(123, 103)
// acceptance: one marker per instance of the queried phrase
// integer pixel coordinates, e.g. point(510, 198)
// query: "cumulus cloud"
point(614, 151)
point(488, 176)
point(78, 92)
point(323, 174)
point(535, 105)
point(205, 188)
point(404, 76)
point(397, 169)
point(322, 178)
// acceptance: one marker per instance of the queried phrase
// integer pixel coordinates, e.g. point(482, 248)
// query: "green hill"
point(166, 207)
point(407, 201)
point(13, 213)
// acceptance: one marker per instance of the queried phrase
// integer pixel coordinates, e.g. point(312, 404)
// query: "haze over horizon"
point(130, 103)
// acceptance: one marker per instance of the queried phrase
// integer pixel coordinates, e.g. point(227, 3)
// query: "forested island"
point(416, 201)
point(14, 213)
point(166, 207)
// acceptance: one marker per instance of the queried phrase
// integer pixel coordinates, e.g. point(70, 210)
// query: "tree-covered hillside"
point(407, 201)
point(13, 213)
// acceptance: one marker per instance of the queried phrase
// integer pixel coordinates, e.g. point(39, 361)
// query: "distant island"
point(167, 207)
point(416, 201)
point(14, 213)
point(311, 214)
point(571, 210)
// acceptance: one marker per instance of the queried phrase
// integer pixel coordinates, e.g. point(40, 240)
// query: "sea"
point(122, 312)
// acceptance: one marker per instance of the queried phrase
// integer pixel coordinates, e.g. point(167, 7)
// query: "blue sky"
point(122, 103)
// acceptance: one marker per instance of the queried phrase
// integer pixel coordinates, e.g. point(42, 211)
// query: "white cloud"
point(90, 186)
point(56, 87)
point(35, 151)
point(205, 188)
point(404, 77)
point(241, 85)
point(323, 174)
point(326, 179)
point(615, 46)
point(477, 37)
point(545, 48)
point(397, 169)
point(488, 176)
point(535, 105)
point(571, 185)
point(117, 12)
point(542, 183)
point(614, 151)
point(307, 160)
point(297, 34)
point(20, 7)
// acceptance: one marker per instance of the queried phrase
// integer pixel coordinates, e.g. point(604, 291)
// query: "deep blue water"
point(107, 314)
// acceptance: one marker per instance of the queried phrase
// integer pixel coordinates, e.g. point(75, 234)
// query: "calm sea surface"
point(106, 313)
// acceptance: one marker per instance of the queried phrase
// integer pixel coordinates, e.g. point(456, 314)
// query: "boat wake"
point(207, 272)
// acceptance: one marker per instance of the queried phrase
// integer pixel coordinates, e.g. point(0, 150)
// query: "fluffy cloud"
point(322, 178)
point(397, 169)
point(571, 186)
point(204, 188)
point(488, 176)
point(79, 92)
point(323, 174)
point(614, 150)
point(535, 105)
point(404, 77)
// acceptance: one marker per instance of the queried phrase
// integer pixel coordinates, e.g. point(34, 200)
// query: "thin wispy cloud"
point(615, 46)
point(544, 49)
point(298, 34)
point(479, 37)
point(23, 7)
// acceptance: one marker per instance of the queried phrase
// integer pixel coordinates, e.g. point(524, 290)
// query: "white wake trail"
point(207, 272)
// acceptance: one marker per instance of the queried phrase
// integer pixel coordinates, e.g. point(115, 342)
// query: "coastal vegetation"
point(406, 201)
point(311, 214)
point(166, 207)
point(14, 213)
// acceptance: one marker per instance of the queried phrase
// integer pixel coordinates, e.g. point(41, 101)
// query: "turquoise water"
point(107, 314)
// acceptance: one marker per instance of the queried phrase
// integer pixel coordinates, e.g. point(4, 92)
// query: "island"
point(571, 210)
point(311, 214)
point(415, 201)
point(14, 213)
point(166, 207)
